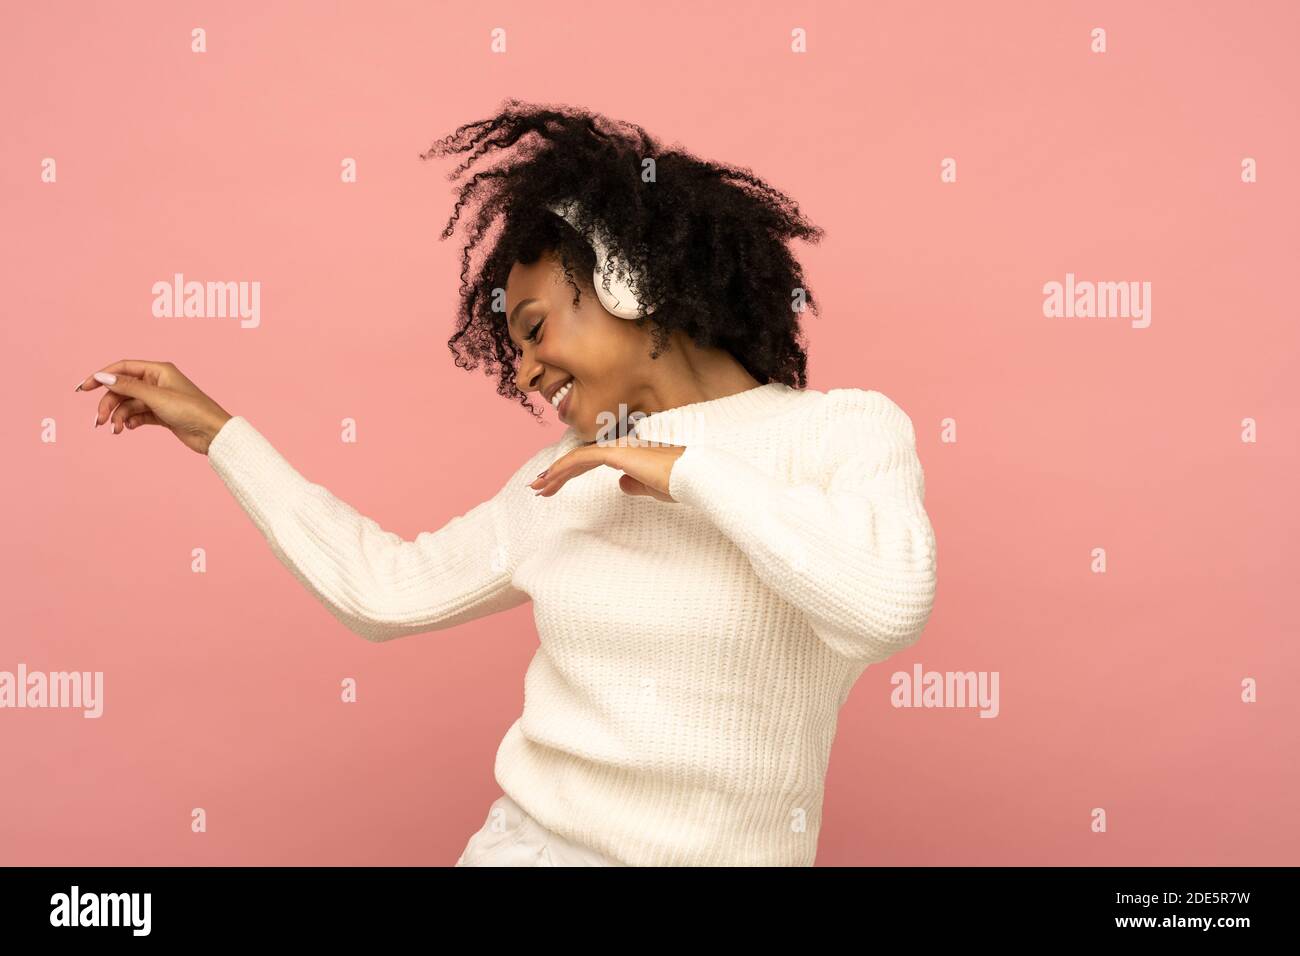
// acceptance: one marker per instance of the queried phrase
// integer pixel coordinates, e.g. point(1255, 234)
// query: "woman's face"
point(601, 355)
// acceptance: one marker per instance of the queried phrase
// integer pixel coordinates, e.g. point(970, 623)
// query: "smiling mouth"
point(562, 393)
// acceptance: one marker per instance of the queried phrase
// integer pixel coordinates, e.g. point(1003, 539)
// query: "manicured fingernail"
point(105, 378)
point(96, 419)
point(79, 384)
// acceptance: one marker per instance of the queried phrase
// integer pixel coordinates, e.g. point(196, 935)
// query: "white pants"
point(510, 837)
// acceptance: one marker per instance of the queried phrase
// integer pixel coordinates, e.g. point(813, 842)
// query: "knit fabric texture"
point(693, 655)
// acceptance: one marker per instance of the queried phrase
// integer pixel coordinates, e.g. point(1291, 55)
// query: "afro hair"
point(709, 240)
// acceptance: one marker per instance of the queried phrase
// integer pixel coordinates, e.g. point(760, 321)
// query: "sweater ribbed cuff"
point(260, 477)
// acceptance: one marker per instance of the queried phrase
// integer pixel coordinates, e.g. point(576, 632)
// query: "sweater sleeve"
point(377, 584)
point(856, 556)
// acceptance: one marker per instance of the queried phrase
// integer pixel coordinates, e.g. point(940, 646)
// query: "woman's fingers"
point(160, 401)
point(567, 466)
point(156, 393)
point(647, 470)
point(133, 367)
point(104, 407)
point(633, 487)
point(144, 418)
point(155, 373)
point(125, 410)
point(108, 403)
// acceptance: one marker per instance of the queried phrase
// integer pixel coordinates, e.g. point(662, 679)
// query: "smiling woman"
point(587, 363)
point(599, 225)
point(686, 719)
point(707, 588)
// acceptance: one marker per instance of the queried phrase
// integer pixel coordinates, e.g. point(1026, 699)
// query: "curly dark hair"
point(719, 268)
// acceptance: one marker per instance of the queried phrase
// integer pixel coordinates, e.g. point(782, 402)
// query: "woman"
point(714, 552)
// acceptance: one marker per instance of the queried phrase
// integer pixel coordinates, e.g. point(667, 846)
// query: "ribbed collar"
point(698, 420)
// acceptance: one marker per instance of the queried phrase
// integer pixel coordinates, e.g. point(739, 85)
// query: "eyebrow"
point(515, 312)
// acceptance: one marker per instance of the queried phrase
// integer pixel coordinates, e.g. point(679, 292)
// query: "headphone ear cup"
point(618, 300)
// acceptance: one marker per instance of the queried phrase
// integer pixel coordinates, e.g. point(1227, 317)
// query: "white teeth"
point(561, 392)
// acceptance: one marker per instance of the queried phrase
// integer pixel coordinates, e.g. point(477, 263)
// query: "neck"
point(687, 374)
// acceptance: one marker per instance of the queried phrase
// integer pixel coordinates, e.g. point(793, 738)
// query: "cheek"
point(603, 353)
point(615, 353)
point(593, 359)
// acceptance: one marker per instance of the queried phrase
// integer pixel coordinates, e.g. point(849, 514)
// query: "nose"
point(529, 376)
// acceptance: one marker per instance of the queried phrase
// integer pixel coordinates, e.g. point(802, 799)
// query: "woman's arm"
point(857, 556)
point(377, 584)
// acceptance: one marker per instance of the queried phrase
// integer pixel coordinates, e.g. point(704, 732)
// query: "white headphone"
point(619, 300)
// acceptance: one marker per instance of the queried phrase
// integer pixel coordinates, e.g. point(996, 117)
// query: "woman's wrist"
point(214, 427)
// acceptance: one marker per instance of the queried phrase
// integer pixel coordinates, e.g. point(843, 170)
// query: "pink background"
point(1119, 691)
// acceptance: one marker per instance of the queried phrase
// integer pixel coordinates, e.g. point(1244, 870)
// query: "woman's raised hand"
point(155, 393)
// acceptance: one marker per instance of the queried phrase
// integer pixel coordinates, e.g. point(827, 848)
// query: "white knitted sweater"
point(694, 654)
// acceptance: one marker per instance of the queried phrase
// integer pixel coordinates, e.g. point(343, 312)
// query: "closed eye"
point(532, 333)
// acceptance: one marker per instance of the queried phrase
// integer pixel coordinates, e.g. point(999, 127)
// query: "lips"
point(550, 396)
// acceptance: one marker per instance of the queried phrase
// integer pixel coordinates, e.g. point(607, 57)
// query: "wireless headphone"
point(619, 299)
